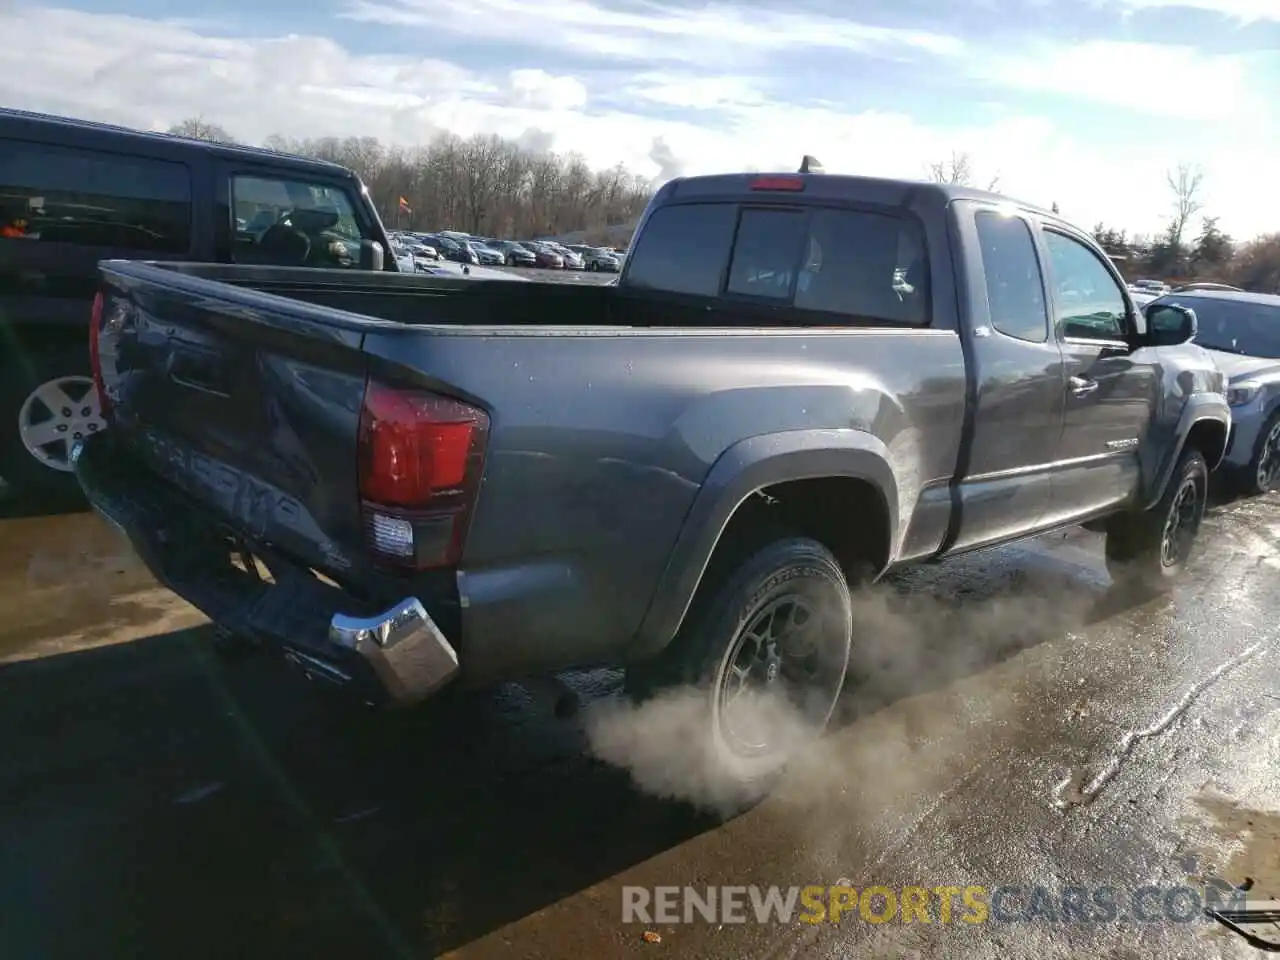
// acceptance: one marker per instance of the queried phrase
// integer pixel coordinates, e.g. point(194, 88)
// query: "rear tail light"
point(778, 183)
point(421, 456)
point(95, 355)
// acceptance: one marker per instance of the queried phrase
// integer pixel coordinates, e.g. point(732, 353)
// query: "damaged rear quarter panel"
point(601, 440)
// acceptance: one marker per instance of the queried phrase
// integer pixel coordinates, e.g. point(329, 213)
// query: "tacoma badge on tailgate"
point(261, 510)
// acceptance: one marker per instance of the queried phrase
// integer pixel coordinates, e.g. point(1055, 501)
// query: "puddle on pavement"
point(1253, 838)
point(70, 582)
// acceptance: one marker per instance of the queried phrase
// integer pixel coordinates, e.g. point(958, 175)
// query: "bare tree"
point(487, 185)
point(520, 188)
point(958, 170)
point(1184, 183)
point(197, 128)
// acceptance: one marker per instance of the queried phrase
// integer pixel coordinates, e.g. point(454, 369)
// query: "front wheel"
point(762, 656)
point(1151, 549)
point(1263, 473)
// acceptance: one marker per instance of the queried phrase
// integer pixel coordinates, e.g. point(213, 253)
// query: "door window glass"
point(1089, 303)
point(294, 223)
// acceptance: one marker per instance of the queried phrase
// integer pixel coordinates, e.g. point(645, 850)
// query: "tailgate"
point(248, 402)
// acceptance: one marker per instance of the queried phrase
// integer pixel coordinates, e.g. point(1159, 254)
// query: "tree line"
point(492, 186)
point(1191, 246)
point(485, 184)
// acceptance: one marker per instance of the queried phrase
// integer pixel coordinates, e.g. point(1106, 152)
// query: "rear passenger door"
point(1018, 369)
point(1110, 397)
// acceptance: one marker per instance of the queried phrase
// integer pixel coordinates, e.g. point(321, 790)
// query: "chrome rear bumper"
point(410, 655)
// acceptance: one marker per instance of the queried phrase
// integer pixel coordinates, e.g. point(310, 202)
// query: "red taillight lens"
point(421, 458)
point(778, 183)
point(95, 356)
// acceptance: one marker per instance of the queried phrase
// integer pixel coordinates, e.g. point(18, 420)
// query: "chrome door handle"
point(1082, 387)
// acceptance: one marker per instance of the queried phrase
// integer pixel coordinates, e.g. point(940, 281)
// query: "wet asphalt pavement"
point(1017, 724)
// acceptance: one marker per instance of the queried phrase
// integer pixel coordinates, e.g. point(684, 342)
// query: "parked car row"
point(467, 248)
point(1144, 291)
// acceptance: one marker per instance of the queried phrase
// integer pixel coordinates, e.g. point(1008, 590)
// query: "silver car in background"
point(1242, 330)
point(598, 259)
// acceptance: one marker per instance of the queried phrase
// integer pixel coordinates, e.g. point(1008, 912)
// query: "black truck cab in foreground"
point(799, 383)
point(73, 193)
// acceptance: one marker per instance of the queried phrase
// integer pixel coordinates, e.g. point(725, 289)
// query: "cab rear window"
point(864, 266)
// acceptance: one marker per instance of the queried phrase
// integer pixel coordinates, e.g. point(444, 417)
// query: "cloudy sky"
point(1082, 102)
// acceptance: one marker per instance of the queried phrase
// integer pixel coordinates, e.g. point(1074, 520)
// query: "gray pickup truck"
point(798, 383)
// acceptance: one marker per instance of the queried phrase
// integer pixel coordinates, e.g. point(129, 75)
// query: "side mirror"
point(1169, 324)
point(370, 255)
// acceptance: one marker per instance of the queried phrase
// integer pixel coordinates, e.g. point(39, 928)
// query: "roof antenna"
point(810, 165)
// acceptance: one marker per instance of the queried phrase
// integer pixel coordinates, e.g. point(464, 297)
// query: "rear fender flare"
point(740, 471)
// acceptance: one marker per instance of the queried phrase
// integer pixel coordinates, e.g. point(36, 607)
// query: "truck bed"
point(406, 298)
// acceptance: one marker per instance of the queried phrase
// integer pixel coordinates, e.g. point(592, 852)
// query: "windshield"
point(1235, 326)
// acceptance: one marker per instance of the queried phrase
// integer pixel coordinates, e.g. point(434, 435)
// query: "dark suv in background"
point(73, 193)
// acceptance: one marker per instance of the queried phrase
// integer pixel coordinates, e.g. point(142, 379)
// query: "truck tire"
point(45, 394)
point(771, 633)
point(1263, 473)
point(1150, 549)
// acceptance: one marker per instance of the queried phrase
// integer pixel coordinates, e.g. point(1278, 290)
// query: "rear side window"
point(682, 249)
point(63, 195)
point(1015, 288)
point(294, 223)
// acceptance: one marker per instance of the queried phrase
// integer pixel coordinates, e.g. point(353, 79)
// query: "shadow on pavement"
point(164, 803)
point(15, 507)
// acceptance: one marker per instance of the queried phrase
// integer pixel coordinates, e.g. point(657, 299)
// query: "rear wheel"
point(1150, 549)
point(47, 402)
point(763, 653)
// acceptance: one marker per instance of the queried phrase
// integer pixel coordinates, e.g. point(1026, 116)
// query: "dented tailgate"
point(253, 411)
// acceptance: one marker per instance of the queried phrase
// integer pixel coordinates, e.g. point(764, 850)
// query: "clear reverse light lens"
point(391, 535)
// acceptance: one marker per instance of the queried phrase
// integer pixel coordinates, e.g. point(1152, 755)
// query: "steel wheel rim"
point(1180, 524)
point(1268, 471)
point(54, 417)
point(773, 666)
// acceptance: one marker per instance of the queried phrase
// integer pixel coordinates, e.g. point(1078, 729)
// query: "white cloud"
point(542, 91)
point(152, 74)
point(1245, 11)
point(696, 92)
point(716, 34)
point(1175, 81)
